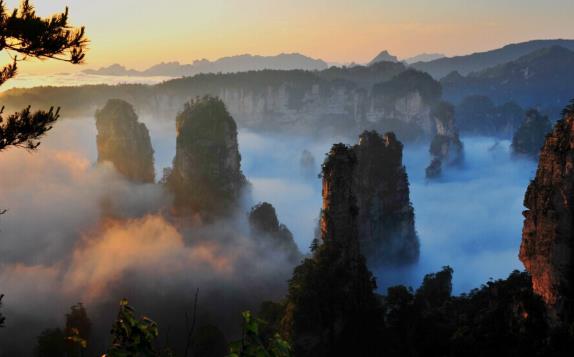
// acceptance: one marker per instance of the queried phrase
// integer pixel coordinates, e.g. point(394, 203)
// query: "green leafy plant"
point(251, 344)
point(78, 329)
point(132, 337)
point(76, 340)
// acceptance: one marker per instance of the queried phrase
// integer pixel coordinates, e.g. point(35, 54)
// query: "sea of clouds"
point(57, 243)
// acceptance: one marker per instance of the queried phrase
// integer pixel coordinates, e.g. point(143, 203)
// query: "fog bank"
point(75, 231)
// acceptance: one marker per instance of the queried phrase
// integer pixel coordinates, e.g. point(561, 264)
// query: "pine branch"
point(24, 129)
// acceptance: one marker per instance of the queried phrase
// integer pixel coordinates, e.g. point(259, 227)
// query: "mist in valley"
point(470, 219)
point(77, 231)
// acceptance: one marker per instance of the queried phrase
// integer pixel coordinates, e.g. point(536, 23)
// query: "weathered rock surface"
point(434, 170)
point(385, 215)
point(331, 101)
point(446, 147)
point(265, 227)
point(547, 249)
point(339, 213)
point(366, 194)
point(385, 96)
point(206, 177)
point(529, 138)
point(124, 141)
point(331, 308)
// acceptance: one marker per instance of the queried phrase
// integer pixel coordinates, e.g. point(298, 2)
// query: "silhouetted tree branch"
point(23, 129)
point(24, 34)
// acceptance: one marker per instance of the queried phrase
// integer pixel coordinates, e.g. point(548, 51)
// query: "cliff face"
point(324, 107)
point(385, 215)
point(124, 141)
point(339, 213)
point(339, 101)
point(265, 227)
point(548, 233)
point(446, 147)
point(385, 96)
point(366, 194)
point(529, 138)
point(206, 177)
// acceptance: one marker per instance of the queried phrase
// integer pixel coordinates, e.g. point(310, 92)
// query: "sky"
point(140, 33)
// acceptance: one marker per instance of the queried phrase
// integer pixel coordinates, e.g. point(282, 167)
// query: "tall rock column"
point(547, 249)
point(206, 177)
point(331, 308)
point(124, 141)
point(386, 221)
point(339, 214)
point(446, 147)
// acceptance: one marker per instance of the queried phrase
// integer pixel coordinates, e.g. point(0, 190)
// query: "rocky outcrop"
point(446, 147)
point(339, 213)
point(385, 215)
point(124, 141)
point(331, 308)
point(547, 249)
point(434, 169)
point(267, 230)
point(366, 194)
point(206, 177)
point(529, 138)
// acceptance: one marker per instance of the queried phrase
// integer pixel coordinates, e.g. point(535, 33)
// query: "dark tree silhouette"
point(78, 329)
point(50, 342)
point(24, 34)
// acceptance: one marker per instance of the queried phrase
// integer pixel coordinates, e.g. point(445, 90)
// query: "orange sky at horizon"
point(141, 33)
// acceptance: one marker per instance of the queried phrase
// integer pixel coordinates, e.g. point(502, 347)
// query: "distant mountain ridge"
point(542, 79)
point(240, 63)
point(475, 62)
point(423, 57)
point(384, 56)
